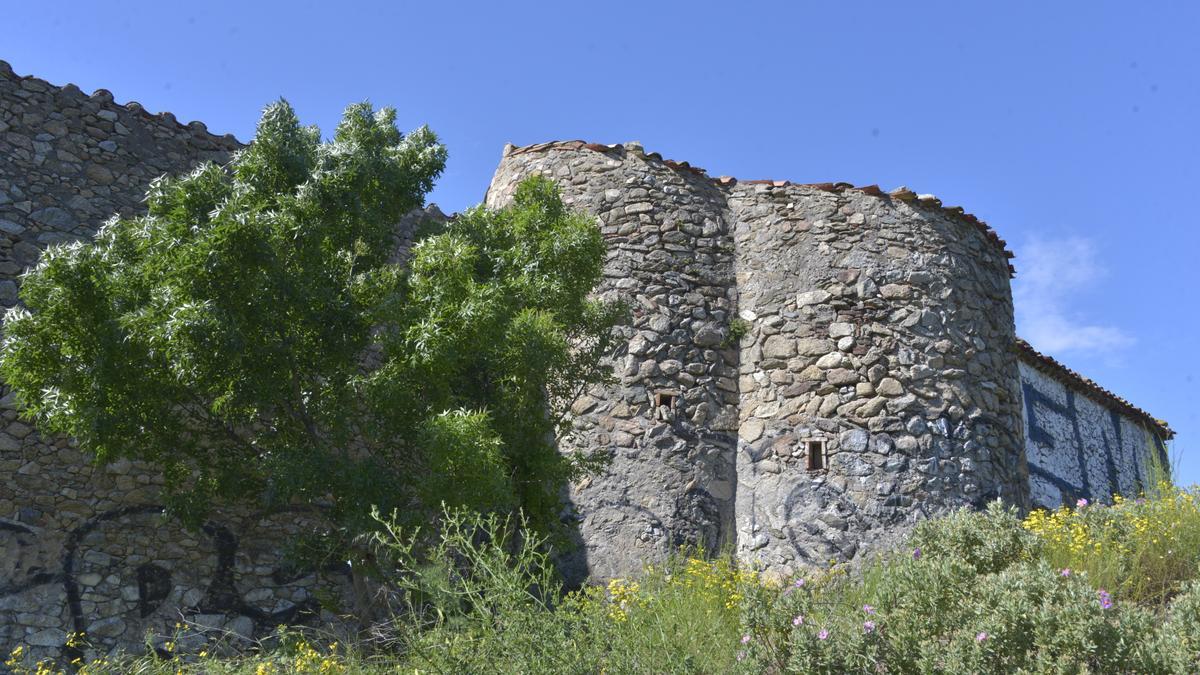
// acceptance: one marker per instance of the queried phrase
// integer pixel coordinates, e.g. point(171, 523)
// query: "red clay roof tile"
point(901, 193)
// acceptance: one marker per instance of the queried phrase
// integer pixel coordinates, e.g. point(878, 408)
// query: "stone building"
point(812, 367)
point(809, 370)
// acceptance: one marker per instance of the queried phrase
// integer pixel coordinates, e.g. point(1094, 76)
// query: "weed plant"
point(1090, 589)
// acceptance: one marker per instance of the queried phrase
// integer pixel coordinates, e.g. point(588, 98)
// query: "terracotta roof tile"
point(901, 193)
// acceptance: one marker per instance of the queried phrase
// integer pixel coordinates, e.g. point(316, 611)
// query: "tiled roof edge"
point(1053, 367)
point(900, 193)
point(105, 97)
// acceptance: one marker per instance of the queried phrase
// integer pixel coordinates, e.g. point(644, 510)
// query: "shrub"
point(971, 593)
point(679, 617)
point(989, 541)
point(1142, 550)
point(1179, 639)
point(481, 596)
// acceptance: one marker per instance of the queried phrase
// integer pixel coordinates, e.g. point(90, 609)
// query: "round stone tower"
point(809, 368)
point(878, 379)
point(670, 421)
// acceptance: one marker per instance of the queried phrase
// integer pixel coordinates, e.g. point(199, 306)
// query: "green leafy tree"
point(254, 337)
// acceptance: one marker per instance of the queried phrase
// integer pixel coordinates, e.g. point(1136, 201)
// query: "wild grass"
point(1142, 550)
point(1090, 589)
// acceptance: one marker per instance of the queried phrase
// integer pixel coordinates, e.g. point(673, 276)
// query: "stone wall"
point(879, 326)
point(880, 331)
point(86, 548)
point(68, 161)
point(807, 370)
point(669, 423)
point(1081, 441)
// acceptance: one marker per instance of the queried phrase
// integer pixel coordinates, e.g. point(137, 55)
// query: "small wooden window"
point(816, 455)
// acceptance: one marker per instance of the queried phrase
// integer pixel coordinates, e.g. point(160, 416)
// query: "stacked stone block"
point(880, 337)
point(878, 327)
point(86, 549)
point(669, 423)
point(807, 370)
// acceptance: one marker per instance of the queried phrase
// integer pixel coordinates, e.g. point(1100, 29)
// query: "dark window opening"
point(816, 455)
point(664, 406)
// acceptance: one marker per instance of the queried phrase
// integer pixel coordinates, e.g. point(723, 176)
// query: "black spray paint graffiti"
point(23, 536)
point(694, 521)
point(154, 585)
point(820, 520)
point(806, 510)
point(1084, 487)
point(701, 514)
point(154, 582)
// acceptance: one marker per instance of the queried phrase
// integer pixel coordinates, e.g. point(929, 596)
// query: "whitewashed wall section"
point(1078, 447)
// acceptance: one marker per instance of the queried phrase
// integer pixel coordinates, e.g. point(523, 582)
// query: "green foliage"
point(498, 319)
point(680, 617)
point(1142, 549)
point(250, 336)
point(738, 329)
point(477, 591)
point(988, 542)
point(973, 593)
point(476, 594)
point(1178, 641)
point(1157, 465)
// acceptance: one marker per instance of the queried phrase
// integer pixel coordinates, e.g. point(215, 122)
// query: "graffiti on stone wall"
point(1079, 449)
point(818, 523)
point(16, 539)
point(129, 569)
point(1075, 482)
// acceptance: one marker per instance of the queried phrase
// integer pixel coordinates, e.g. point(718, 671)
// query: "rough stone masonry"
point(809, 369)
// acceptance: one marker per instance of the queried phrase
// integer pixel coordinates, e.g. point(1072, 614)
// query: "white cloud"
point(1050, 272)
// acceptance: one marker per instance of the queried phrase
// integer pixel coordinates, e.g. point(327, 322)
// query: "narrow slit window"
point(816, 455)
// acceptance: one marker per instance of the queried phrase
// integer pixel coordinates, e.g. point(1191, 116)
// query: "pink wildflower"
point(799, 620)
point(1081, 503)
point(799, 584)
point(741, 656)
point(868, 609)
point(1066, 572)
point(823, 634)
point(745, 639)
point(981, 636)
point(868, 626)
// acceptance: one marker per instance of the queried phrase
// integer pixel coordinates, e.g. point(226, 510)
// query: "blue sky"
point(1070, 127)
